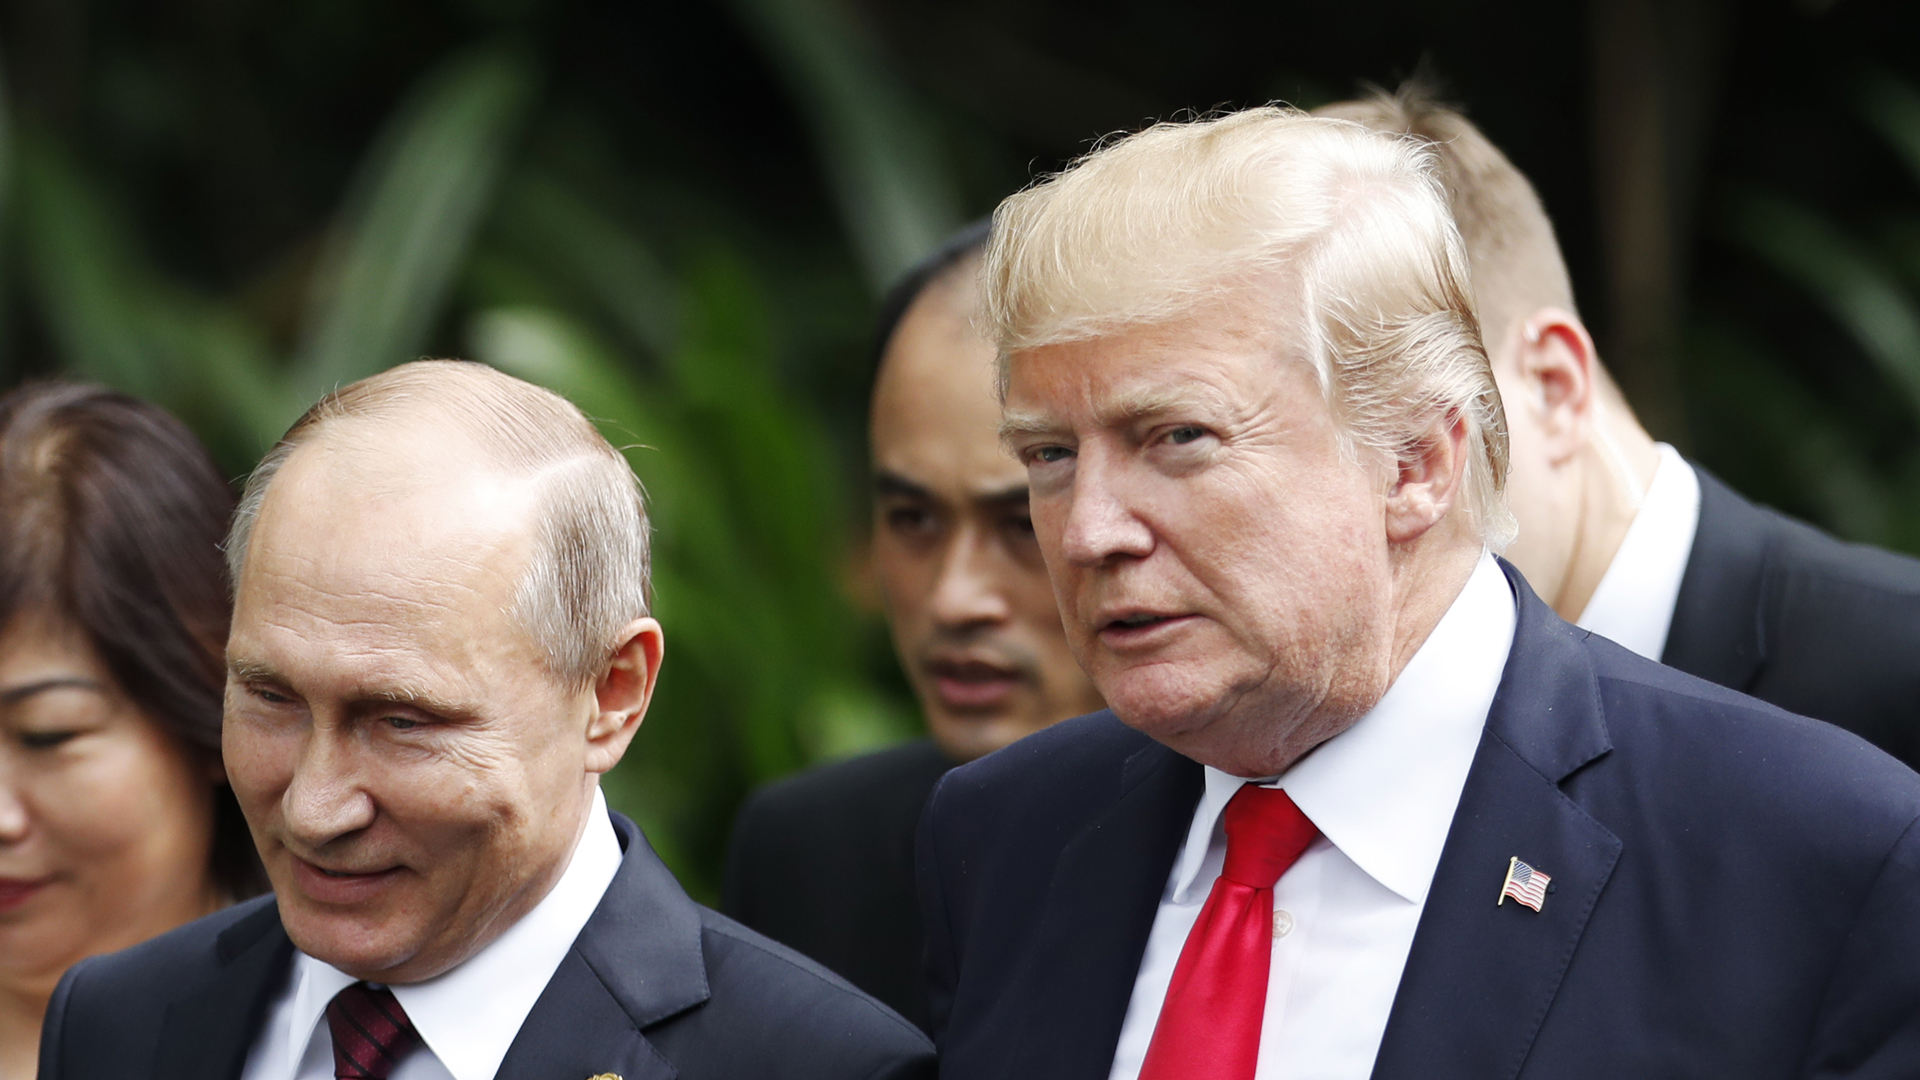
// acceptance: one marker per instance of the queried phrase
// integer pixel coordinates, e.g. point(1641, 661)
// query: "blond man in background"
point(1621, 534)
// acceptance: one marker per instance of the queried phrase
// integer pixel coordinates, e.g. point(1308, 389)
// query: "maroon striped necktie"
point(371, 1033)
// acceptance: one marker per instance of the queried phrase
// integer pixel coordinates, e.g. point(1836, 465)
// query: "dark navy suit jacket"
point(1780, 610)
point(654, 987)
point(1736, 890)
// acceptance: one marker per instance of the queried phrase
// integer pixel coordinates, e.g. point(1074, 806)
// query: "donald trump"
point(1363, 806)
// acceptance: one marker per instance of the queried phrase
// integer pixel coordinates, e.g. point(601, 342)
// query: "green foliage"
point(1866, 282)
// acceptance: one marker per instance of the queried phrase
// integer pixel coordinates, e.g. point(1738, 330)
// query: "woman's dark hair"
point(111, 518)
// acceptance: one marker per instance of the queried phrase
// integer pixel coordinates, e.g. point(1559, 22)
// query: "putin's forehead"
point(366, 490)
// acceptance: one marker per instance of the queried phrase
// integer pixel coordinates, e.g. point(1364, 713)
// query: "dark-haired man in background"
point(823, 861)
point(1622, 535)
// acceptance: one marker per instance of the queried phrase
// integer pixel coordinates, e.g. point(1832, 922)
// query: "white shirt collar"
point(469, 1016)
point(1384, 790)
point(1633, 604)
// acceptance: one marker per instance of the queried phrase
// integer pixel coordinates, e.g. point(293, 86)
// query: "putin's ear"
point(1428, 482)
point(1554, 360)
point(622, 694)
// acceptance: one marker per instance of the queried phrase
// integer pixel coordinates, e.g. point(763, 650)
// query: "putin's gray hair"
point(590, 573)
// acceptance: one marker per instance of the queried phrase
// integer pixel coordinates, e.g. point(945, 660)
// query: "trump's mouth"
point(1136, 628)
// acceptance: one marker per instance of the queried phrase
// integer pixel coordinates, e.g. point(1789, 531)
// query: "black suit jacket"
point(655, 987)
point(1782, 611)
point(1736, 890)
point(823, 862)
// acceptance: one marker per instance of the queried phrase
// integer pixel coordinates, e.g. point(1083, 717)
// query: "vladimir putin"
point(1364, 806)
point(823, 861)
point(440, 641)
point(1623, 536)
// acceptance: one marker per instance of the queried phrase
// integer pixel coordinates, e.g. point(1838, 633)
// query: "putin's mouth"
point(972, 685)
point(330, 886)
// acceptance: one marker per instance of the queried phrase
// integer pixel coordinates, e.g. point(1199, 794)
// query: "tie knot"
point(1265, 834)
point(371, 1032)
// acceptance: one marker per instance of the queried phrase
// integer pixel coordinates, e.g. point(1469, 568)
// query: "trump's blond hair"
point(1355, 223)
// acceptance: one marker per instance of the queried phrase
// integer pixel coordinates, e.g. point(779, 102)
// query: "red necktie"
point(371, 1033)
point(1209, 1027)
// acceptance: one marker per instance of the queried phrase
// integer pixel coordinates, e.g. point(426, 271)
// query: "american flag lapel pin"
point(1525, 884)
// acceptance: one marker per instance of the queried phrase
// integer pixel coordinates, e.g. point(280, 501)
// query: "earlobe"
point(623, 692)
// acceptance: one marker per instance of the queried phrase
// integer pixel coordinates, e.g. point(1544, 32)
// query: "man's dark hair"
point(970, 240)
point(113, 519)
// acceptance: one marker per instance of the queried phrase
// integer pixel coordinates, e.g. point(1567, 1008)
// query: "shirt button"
point(1282, 923)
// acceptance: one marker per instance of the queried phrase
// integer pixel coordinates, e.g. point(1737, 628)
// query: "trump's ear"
point(1428, 483)
point(623, 693)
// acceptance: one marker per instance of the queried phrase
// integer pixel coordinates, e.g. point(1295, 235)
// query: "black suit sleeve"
point(1869, 1023)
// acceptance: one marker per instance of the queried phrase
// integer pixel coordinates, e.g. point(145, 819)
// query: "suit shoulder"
point(853, 783)
point(796, 1005)
point(1805, 551)
point(1065, 753)
point(161, 963)
point(108, 1011)
point(1656, 713)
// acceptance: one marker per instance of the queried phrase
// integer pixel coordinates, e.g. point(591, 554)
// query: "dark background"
point(681, 215)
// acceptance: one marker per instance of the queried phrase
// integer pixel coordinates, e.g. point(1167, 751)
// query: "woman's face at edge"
point(106, 820)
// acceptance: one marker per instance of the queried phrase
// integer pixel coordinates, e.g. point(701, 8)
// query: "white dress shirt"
point(1382, 793)
point(467, 1017)
point(1633, 603)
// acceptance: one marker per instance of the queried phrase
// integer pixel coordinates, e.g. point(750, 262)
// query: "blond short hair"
point(1149, 227)
point(590, 574)
point(1515, 258)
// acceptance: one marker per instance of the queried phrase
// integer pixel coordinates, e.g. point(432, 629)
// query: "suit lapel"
point(211, 1025)
point(1481, 975)
point(1718, 632)
point(638, 961)
point(1100, 908)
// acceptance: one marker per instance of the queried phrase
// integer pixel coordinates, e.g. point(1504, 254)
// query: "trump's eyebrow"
point(1142, 403)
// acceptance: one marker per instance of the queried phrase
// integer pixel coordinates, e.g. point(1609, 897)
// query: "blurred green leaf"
point(407, 222)
point(1844, 277)
point(1892, 105)
point(879, 147)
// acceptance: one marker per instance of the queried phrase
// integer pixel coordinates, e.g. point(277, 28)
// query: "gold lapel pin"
point(604, 1076)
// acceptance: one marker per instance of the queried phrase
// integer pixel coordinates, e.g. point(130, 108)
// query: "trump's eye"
point(401, 723)
point(1185, 433)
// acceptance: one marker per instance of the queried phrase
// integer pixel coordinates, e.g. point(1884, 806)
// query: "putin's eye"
point(1050, 454)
